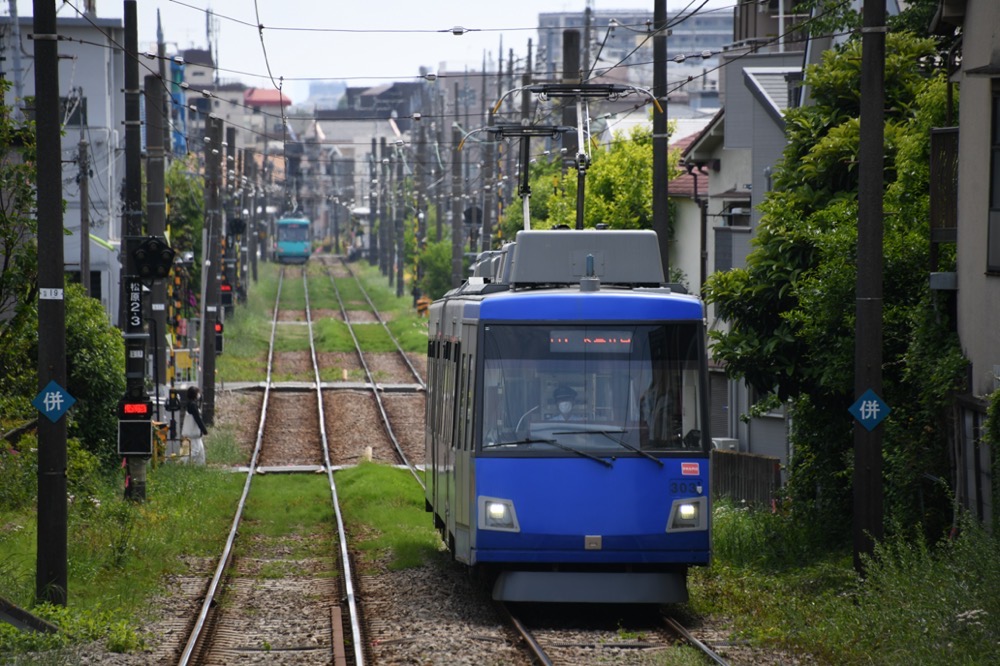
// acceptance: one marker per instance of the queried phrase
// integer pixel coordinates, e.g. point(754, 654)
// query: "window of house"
point(993, 230)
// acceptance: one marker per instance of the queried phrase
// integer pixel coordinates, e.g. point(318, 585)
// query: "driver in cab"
point(565, 399)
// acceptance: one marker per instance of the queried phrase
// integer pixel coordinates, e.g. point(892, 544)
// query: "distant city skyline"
point(365, 44)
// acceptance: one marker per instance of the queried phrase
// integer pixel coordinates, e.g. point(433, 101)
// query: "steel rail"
point(679, 629)
point(378, 316)
point(227, 551)
point(359, 658)
point(538, 653)
point(372, 384)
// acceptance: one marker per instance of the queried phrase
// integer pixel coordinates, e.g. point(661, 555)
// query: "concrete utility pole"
point(456, 207)
point(868, 323)
point(392, 193)
point(400, 217)
point(661, 137)
point(50, 571)
point(373, 203)
point(83, 163)
point(156, 214)
point(212, 266)
point(132, 295)
point(383, 209)
point(250, 165)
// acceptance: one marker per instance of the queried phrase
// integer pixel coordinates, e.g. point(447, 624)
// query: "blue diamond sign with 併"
point(869, 410)
point(53, 401)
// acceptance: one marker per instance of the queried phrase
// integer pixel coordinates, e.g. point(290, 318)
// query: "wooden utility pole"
point(50, 572)
point(868, 322)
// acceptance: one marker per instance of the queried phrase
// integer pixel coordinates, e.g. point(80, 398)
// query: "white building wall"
point(90, 63)
point(978, 291)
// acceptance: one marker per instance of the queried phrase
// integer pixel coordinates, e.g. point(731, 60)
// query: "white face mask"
point(565, 407)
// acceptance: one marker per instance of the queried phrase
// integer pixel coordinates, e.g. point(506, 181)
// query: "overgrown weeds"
point(918, 602)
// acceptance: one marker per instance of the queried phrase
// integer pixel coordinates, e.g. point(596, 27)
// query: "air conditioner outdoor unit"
point(725, 443)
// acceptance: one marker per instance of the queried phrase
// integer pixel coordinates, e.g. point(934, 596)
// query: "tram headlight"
point(688, 514)
point(497, 514)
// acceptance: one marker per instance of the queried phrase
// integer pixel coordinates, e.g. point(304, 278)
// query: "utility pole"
point(392, 193)
point(230, 247)
point(83, 163)
point(161, 53)
point(373, 204)
point(383, 209)
point(212, 251)
point(50, 563)
point(487, 152)
point(456, 207)
point(156, 212)
point(868, 495)
point(250, 164)
point(132, 300)
point(400, 217)
point(661, 137)
point(439, 187)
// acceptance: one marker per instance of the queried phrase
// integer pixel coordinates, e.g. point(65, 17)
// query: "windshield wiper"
point(562, 446)
point(617, 440)
point(558, 445)
point(524, 440)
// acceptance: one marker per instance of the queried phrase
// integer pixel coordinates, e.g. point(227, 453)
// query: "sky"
point(359, 42)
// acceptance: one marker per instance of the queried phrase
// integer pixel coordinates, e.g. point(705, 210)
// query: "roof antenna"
point(590, 282)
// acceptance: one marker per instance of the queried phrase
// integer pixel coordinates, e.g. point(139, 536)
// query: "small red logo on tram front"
point(690, 468)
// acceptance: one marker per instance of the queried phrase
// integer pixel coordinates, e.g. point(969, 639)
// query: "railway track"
point(243, 613)
point(575, 635)
point(375, 388)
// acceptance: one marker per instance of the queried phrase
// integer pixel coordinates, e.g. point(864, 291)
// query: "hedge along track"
point(369, 378)
point(212, 639)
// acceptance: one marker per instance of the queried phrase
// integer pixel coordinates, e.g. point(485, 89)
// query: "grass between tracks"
point(248, 329)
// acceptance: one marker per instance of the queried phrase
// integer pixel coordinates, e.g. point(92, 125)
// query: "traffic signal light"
point(226, 294)
point(153, 258)
point(218, 337)
point(135, 426)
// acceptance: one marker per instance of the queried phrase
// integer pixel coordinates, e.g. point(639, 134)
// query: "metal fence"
point(745, 476)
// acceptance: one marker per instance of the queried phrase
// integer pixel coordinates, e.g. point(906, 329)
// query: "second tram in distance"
point(567, 447)
point(293, 244)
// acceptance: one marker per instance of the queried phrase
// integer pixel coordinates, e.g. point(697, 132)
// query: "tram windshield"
point(295, 233)
point(567, 390)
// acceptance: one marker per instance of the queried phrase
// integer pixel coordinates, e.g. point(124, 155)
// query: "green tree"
point(186, 216)
point(18, 225)
point(435, 260)
point(95, 369)
point(618, 189)
point(791, 311)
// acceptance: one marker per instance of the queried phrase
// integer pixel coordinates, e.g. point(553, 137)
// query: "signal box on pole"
point(135, 427)
point(218, 337)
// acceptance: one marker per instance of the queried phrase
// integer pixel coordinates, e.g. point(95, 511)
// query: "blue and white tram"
point(606, 499)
